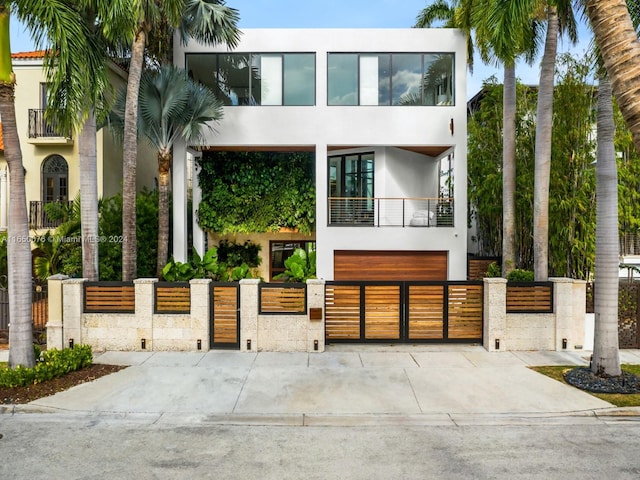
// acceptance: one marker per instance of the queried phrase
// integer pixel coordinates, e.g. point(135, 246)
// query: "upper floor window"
point(391, 79)
point(257, 79)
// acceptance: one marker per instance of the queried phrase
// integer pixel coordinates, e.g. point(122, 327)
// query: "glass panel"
point(62, 185)
point(406, 79)
point(335, 177)
point(438, 79)
point(384, 79)
point(270, 79)
point(202, 68)
point(300, 79)
point(342, 79)
point(49, 189)
point(369, 80)
point(233, 77)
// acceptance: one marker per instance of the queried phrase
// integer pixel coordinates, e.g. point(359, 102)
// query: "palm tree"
point(509, 33)
point(171, 107)
point(208, 21)
point(76, 83)
point(606, 357)
point(559, 18)
point(18, 249)
point(619, 47)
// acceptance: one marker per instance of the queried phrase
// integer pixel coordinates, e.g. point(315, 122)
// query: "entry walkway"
point(361, 384)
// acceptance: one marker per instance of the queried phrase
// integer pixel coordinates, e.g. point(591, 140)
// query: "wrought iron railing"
point(630, 243)
point(391, 212)
point(39, 127)
point(38, 217)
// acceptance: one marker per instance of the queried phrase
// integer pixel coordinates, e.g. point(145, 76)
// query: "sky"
point(348, 14)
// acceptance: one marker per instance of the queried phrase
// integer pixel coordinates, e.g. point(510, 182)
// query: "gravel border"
point(584, 379)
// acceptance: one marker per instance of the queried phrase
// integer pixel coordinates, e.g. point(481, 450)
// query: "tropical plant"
point(53, 250)
point(207, 266)
point(209, 22)
point(299, 267)
point(173, 107)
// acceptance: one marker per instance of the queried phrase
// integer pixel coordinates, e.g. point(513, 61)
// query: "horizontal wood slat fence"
point(403, 311)
point(530, 297)
point(172, 297)
point(109, 297)
point(278, 299)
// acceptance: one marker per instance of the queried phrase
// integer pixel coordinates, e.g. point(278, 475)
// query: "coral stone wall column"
point(249, 314)
point(495, 314)
point(569, 305)
point(315, 300)
point(72, 310)
point(55, 321)
point(200, 308)
point(145, 298)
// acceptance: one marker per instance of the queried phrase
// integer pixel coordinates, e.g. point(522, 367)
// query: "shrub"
point(54, 363)
point(518, 275)
point(299, 267)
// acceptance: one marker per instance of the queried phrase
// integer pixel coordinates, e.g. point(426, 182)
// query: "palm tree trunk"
point(544, 123)
point(18, 247)
point(620, 49)
point(606, 357)
point(130, 154)
point(509, 171)
point(164, 176)
point(89, 198)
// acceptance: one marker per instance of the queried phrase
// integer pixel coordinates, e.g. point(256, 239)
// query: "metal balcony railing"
point(391, 212)
point(38, 217)
point(39, 127)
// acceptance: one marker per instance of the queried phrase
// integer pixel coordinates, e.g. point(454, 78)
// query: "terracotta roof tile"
point(28, 55)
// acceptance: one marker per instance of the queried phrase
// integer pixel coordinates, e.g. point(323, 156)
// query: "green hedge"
point(52, 363)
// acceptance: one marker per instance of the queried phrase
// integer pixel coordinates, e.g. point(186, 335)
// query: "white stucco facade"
point(407, 141)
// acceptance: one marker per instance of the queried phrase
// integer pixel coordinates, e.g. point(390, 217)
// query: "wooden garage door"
point(389, 265)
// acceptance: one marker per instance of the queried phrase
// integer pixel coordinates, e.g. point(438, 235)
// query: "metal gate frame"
point(404, 304)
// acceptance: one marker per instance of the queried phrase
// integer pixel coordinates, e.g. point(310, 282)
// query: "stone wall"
point(146, 330)
point(564, 329)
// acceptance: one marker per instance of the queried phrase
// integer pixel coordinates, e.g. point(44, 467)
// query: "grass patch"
point(618, 399)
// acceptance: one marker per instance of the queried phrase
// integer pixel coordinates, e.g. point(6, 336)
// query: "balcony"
point(38, 217)
point(391, 212)
point(42, 132)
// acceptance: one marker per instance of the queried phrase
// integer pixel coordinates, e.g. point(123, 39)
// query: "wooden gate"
point(403, 312)
point(225, 315)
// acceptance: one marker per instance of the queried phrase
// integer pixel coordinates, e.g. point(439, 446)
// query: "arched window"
point(55, 179)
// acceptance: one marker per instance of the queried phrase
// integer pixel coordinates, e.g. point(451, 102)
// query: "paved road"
point(85, 447)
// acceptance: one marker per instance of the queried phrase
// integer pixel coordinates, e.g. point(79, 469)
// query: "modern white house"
point(384, 112)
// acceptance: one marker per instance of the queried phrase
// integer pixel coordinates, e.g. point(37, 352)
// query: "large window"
point(280, 251)
point(391, 79)
point(257, 79)
point(351, 195)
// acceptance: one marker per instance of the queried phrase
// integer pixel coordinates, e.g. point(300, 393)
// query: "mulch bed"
point(20, 395)
point(584, 379)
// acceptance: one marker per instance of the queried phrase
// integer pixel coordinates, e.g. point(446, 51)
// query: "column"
point(55, 322)
point(3, 199)
point(495, 314)
point(249, 314)
point(179, 192)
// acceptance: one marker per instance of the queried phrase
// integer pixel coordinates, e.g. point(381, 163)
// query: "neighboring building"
point(51, 160)
point(385, 113)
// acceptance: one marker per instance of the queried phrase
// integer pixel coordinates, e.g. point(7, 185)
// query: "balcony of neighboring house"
point(38, 217)
point(43, 132)
point(391, 212)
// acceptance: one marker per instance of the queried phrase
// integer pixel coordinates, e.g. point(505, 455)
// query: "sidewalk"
point(364, 383)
